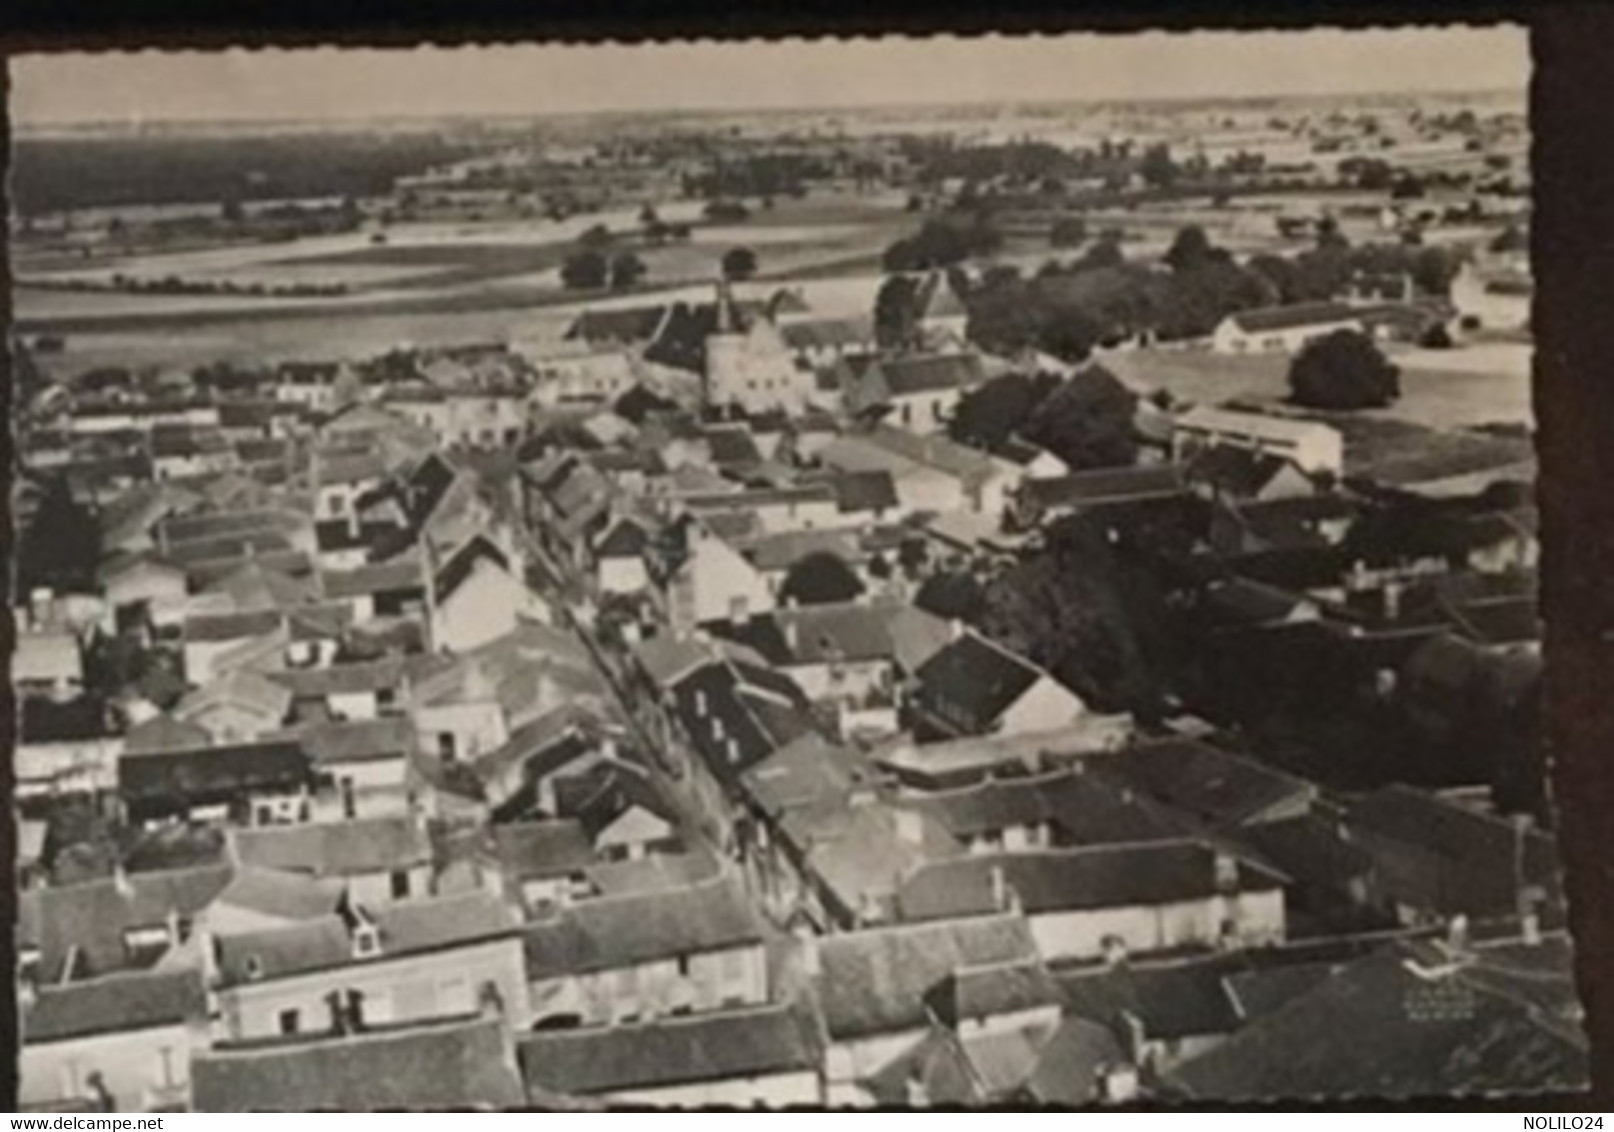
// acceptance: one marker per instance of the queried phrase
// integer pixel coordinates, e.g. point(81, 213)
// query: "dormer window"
point(366, 941)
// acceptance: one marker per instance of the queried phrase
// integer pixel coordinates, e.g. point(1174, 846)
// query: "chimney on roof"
point(812, 964)
point(121, 882)
point(734, 750)
point(791, 631)
point(1114, 951)
point(910, 826)
point(1392, 600)
point(1457, 933)
point(1004, 898)
point(1227, 872)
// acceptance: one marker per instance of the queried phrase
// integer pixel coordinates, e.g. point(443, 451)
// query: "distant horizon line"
point(23, 127)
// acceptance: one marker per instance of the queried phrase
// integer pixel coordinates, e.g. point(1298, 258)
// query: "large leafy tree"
point(60, 545)
point(820, 578)
point(739, 263)
point(1343, 370)
point(896, 313)
point(992, 412)
point(1087, 421)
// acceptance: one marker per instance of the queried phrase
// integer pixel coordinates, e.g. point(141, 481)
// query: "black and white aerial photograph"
point(887, 572)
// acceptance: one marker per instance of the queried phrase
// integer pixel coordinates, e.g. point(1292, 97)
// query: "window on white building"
point(289, 1021)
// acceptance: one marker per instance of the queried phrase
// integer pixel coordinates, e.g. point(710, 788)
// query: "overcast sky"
point(338, 84)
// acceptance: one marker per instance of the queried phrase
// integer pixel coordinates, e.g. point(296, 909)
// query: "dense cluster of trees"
point(758, 175)
point(1085, 419)
point(60, 545)
point(1067, 309)
point(119, 283)
point(1343, 370)
point(944, 241)
point(739, 263)
point(57, 174)
point(726, 211)
point(820, 578)
point(591, 269)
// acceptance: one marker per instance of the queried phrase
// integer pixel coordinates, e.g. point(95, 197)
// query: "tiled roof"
point(1100, 877)
point(608, 933)
point(231, 626)
point(211, 774)
point(875, 981)
point(1213, 785)
point(976, 679)
point(344, 848)
point(1105, 487)
point(381, 577)
point(856, 492)
point(451, 1065)
point(1397, 1025)
point(114, 1004)
point(1293, 315)
point(710, 1048)
point(91, 917)
point(407, 927)
point(282, 895)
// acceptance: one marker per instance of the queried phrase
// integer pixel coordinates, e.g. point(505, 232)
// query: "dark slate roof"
point(344, 848)
point(1437, 855)
point(1106, 876)
point(1401, 1025)
point(603, 793)
point(1238, 472)
point(976, 678)
point(526, 850)
point(1084, 809)
point(864, 491)
point(453, 573)
point(815, 634)
point(875, 982)
point(1212, 785)
point(232, 626)
point(1072, 1062)
point(753, 708)
point(680, 340)
point(339, 534)
point(625, 538)
point(625, 325)
point(732, 444)
point(931, 372)
point(1293, 315)
point(457, 1064)
point(993, 989)
point(114, 1004)
point(1171, 1000)
point(638, 403)
point(1503, 622)
point(1105, 487)
point(1310, 851)
point(380, 577)
point(670, 1052)
point(607, 933)
point(179, 777)
point(46, 721)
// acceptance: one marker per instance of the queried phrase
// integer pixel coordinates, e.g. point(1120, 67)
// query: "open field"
point(1488, 383)
point(434, 269)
